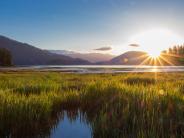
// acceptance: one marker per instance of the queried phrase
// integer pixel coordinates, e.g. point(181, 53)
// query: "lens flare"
point(154, 54)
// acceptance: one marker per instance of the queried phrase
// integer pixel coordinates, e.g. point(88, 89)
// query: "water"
point(98, 68)
point(68, 128)
point(63, 124)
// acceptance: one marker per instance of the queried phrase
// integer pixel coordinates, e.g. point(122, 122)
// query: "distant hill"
point(91, 57)
point(128, 58)
point(142, 58)
point(25, 54)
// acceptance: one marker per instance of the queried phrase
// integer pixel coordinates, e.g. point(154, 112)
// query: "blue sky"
point(84, 25)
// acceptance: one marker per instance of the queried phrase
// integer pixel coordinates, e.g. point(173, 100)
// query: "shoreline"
point(94, 69)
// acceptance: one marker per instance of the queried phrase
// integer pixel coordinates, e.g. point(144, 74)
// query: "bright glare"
point(155, 41)
point(154, 54)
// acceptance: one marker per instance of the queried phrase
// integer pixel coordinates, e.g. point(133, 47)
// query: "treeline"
point(5, 57)
point(175, 54)
point(177, 50)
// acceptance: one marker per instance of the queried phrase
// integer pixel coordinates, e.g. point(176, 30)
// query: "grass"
point(115, 105)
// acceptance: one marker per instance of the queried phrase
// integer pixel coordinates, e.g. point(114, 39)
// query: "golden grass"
point(115, 105)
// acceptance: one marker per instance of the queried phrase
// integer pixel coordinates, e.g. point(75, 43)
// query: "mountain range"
point(128, 58)
point(25, 54)
point(142, 58)
point(91, 57)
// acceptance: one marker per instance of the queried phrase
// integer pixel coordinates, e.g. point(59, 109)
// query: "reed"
point(115, 105)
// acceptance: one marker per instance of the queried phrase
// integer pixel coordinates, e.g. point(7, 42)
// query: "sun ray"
point(155, 40)
point(166, 60)
point(145, 61)
point(160, 62)
point(173, 55)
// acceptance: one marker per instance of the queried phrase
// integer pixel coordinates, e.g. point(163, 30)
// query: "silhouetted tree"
point(180, 50)
point(177, 50)
point(170, 51)
point(5, 57)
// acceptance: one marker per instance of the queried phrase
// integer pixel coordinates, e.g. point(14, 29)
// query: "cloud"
point(134, 45)
point(104, 48)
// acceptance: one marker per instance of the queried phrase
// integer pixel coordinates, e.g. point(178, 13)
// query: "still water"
point(99, 68)
point(71, 128)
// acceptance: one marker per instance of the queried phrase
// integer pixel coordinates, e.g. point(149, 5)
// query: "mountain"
point(62, 52)
point(91, 57)
point(142, 58)
point(25, 54)
point(128, 58)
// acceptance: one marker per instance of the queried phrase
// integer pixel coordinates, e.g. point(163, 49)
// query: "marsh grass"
point(138, 80)
point(114, 105)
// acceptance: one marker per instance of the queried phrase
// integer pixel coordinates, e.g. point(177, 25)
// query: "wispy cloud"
point(134, 45)
point(104, 48)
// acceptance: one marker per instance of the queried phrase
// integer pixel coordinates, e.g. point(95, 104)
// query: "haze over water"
point(99, 68)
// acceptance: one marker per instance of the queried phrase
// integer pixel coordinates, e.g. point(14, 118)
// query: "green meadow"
point(114, 105)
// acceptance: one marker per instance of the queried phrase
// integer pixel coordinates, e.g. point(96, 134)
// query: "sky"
point(85, 25)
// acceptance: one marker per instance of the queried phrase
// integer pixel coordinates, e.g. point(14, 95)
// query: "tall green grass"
point(114, 105)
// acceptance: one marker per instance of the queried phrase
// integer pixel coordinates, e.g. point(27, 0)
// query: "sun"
point(154, 41)
point(154, 54)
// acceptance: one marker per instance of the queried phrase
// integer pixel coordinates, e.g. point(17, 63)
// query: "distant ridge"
point(142, 58)
point(128, 58)
point(91, 57)
point(25, 54)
